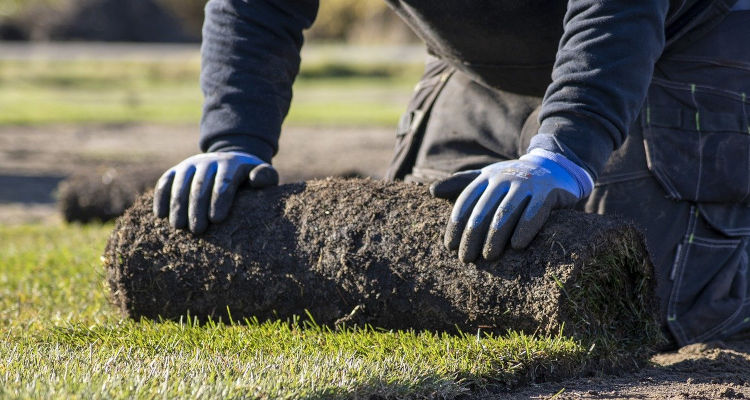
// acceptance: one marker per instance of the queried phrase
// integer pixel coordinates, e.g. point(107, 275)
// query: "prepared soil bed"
point(715, 370)
point(368, 252)
point(104, 195)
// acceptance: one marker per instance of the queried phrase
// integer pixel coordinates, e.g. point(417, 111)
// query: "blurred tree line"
point(338, 20)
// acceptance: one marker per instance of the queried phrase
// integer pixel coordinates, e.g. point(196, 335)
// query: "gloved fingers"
point(180, 197)
point(504, 223)
point(200, 197)
point(451, 187)
point(536, 214)
point(162, 194)
point(461, 211)
point(227, 180)
point(263, 176)
point(476, 229)
point(531, 222)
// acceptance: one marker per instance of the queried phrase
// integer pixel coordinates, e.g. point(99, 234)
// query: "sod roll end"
point(103, 195)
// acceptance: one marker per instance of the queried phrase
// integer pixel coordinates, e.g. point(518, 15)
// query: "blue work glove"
point(508, 200)
point(202, 187)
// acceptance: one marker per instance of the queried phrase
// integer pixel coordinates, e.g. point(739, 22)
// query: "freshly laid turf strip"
point(104, 195)
point(369, 252)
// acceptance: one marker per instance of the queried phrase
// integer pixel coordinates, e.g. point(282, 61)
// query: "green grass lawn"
point(59, 338)
point(43, 92)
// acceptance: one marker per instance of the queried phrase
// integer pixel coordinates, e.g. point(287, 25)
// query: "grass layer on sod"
point(89, 91)
point(59, 337)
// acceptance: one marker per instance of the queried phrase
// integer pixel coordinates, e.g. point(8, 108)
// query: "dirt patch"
point(717, 370)
point(368, 252)
point(33, 160)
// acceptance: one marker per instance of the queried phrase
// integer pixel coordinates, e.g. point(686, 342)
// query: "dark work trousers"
point(453, 124)
point(683, 173)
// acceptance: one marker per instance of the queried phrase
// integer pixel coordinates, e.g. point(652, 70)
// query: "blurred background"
point(362, 21)
point(107, 91)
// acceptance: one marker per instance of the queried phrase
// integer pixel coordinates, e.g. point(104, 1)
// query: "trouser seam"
point(660, 177)
point(738, 231)
point(679, 265)
point(623, 177)
point(713, 244)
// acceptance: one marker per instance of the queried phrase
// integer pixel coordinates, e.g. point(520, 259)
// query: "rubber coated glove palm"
point(202, 187)
point(508, 200)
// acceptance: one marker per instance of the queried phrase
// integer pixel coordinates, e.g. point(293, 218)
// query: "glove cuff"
point(243, 144)
point(582, 177)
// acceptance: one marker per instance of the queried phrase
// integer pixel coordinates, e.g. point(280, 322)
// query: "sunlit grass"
point(50, 276)
point(60, 338)
point(45, 92)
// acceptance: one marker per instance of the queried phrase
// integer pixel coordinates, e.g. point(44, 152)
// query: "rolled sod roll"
point(103, 195)
point(362, 251)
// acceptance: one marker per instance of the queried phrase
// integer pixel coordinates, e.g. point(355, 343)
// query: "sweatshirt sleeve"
point(250, 58)
point(603, 68)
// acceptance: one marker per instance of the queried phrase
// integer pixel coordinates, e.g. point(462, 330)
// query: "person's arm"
point(603, 68)
point(251, 56)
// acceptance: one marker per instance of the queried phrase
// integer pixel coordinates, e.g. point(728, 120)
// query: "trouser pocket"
point(411, 124)
point(697, 141)
point(709, 297)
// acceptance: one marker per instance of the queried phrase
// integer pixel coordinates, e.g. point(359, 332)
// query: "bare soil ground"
point(34, 160)
point(717, 370)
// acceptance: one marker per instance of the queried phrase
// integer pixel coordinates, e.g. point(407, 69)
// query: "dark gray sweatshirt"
point(600, 55)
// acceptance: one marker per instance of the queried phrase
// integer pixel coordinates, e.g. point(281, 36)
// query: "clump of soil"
point(103, 195)
point(369, 252)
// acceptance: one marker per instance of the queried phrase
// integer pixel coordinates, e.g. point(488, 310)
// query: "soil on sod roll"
point(368, 252)
point(104, 195)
